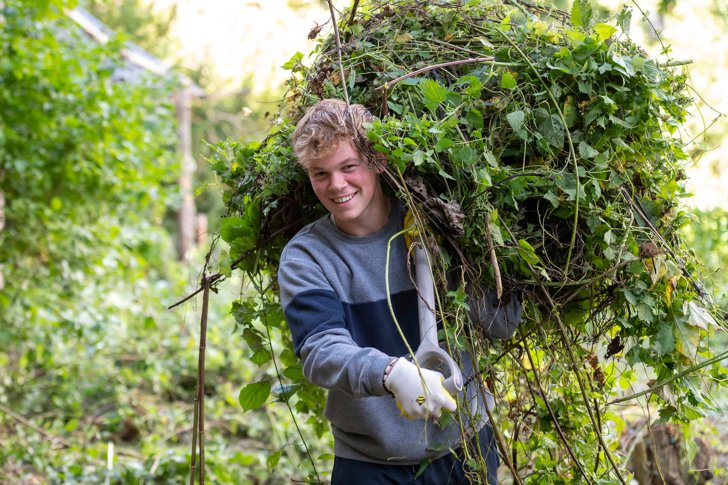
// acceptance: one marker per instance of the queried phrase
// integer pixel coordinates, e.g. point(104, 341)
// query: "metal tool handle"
point(429, 354)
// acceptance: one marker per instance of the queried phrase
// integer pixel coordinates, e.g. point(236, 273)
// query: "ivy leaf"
point(433, 93)
point(664, 339)
point(254, 395)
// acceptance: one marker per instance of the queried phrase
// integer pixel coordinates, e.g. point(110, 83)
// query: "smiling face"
point(350, 191)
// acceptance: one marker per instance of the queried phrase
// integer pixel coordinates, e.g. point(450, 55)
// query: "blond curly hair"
point(325, 125)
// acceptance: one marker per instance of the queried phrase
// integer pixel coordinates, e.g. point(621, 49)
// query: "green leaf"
point(261, 357)
point(551, 128)
point(433, 93)
point(604, 31)
point(516, 120)
point(254, 395)
point(272, 461)
point(664, 339)
point(581, 13)
point(586, 151)
point(232, 227)
point(528, 253)
point(464, 156)
point(508, 80)
point(687, 339)
point(293, 62)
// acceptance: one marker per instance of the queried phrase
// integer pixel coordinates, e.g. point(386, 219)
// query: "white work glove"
point(414, 401)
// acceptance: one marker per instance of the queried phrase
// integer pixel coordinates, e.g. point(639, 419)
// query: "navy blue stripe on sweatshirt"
point(370, 324)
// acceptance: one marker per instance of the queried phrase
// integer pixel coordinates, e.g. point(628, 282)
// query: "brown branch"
point(471, 60)
point(338, 51)
point(26, 422)
point(500, 441)
point(213, 278)
point(353, 12)
point(493, 258)
point(201, 375)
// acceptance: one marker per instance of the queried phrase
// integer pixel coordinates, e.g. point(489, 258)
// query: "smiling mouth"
point(342, 200)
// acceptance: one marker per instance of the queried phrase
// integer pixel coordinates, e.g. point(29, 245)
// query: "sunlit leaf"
point(254, 395)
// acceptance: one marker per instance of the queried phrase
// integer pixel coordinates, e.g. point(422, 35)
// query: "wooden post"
point(2, 226)
point(186, 219)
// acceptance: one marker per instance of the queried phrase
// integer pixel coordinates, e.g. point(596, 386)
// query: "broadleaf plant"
point(543, 150)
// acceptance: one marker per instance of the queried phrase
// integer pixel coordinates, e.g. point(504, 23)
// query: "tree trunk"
point(186, 220)
point(658, 458)
point(2, 226)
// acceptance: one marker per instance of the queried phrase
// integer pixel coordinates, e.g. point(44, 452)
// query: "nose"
point(337, 181)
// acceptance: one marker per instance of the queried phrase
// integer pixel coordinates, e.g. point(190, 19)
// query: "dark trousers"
point(447, 470)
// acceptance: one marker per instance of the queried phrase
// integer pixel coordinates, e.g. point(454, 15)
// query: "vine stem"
point(338, 48)
point(500, 441)
point(572, 152)
point(552, 414)
point(353, 11)
point(677, 376)
point(493, 258)
point(577, 374)
point(471, 60)
point(572, 359)
point(288, 404)
point(213, 278)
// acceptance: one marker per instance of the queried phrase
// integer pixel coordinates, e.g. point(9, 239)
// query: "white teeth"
point(344, 199)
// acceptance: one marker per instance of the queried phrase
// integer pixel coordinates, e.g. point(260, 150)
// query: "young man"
point(383, 412)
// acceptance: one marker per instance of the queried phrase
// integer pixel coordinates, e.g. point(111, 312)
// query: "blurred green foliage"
point(91, 359)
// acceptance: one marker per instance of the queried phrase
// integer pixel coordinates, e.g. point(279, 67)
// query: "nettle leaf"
point(581, 13)
point(254, 395)
point(464, 156)
point(433, 92)
point(261, 357)
point(587, 151)
point(516, 120)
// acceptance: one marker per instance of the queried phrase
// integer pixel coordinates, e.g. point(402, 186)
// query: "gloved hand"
point(413, 400)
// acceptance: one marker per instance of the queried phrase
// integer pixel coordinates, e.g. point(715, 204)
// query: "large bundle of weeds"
point(545, 152)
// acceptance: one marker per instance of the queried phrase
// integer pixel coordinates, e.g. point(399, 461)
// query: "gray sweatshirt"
point(334, 298)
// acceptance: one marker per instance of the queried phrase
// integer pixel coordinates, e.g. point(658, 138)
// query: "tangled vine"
point(545, 151)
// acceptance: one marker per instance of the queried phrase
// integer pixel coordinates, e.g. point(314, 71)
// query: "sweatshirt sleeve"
point(316, 318)
point(498, 318)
